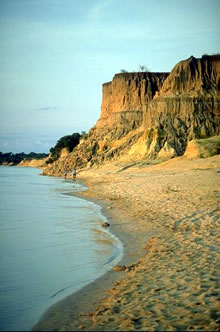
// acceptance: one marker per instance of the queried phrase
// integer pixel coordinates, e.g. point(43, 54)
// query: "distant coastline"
point(13, 159)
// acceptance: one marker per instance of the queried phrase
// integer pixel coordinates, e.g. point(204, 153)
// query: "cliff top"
point(194, 75)
point(132, 75)
point(192, 64)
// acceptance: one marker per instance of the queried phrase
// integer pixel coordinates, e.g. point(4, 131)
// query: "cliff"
point(187, 106)
point(195, 77)
point(38, 163)
point(125, 97)
point(152, 115)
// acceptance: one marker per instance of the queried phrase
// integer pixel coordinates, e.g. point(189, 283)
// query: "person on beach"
point(65, 173)
point(74, 173)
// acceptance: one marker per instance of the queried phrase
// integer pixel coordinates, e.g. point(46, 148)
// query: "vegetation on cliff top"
point(141, 68)
point(10, 158)
point(68, 141)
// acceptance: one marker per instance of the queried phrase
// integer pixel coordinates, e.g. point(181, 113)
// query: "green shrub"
point(68, 141)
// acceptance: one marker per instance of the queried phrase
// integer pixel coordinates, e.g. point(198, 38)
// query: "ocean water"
point(51, 244)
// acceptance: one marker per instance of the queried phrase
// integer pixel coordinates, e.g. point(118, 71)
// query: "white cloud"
point(97, 11)
point(47, 108)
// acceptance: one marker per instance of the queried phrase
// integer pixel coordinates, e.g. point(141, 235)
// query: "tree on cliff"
point(143, 68)
point(68, 141)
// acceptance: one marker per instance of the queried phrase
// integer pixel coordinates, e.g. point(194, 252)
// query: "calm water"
point(51, 244)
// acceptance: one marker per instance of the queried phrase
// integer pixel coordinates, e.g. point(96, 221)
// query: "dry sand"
point(167, 216)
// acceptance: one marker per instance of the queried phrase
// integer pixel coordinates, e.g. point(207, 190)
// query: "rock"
point(203, 148)
point(118, 268)
point(105, 224)
point(129, 268)
point(167, 152)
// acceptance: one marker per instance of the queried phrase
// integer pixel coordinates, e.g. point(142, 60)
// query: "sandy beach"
point(167, 216)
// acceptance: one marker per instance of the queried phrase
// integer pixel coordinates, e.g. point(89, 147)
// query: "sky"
point(56, 54)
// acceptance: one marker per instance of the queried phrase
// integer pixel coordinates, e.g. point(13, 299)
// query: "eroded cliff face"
point(194, 77)
point(125, 97)
point(152, 115)
point(187, 106)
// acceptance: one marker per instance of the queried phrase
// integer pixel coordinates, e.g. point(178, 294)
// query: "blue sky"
point(56, 54)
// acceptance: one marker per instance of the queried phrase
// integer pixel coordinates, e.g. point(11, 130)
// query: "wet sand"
point(167, 216)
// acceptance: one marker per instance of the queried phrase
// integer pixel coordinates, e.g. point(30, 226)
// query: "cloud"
point(47, 108)
point(98, 9)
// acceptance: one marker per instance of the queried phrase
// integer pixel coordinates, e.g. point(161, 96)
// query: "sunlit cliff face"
point(153, 115)
point(128, 92)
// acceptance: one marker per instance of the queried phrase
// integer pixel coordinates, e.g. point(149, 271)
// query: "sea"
point(51, 244)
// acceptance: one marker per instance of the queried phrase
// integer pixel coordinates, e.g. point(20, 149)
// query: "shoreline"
point(166, 217)
point(79, 300)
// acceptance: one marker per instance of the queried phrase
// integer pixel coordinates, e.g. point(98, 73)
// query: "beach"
point(167, 217)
